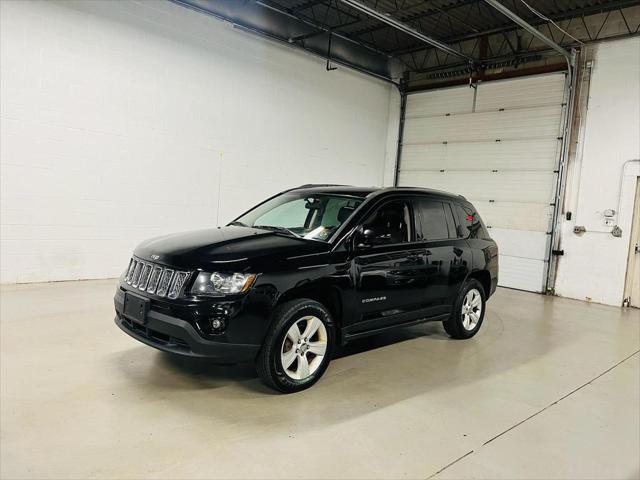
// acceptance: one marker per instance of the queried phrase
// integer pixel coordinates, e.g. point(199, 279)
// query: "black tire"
point(454, 324)
point(269, 361)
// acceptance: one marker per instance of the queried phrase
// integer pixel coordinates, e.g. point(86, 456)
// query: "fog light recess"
point(217, 325)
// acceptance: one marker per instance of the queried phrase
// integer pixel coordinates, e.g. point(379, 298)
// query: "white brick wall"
point(120, 120)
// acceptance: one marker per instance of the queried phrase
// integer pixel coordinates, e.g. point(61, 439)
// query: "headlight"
point(217, 284)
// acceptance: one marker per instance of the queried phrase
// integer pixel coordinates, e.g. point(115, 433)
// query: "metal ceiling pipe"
point(531, 29)
point(403, 27)
point(320, 28)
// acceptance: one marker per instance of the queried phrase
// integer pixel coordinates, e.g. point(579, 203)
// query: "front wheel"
point(298, 348)
point(468, 311)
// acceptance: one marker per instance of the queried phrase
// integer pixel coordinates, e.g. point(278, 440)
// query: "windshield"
point(311, 216)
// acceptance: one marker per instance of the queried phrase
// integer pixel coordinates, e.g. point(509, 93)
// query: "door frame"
point(632, 256)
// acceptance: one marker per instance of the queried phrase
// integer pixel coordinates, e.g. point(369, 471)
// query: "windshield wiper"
point(278, 229)
point(236, 223)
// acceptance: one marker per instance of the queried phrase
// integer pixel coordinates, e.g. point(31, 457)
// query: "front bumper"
point(175, 335)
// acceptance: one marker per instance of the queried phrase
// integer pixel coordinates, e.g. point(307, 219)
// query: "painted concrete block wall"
point(594, 264)
point(125, 120)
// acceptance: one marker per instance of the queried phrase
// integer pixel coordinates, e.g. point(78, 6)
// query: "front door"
point(389, 268)
point(632, 286)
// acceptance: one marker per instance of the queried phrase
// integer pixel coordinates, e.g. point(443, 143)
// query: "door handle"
point(637, 247)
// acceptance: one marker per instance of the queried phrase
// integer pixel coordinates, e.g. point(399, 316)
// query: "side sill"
point(347, 337)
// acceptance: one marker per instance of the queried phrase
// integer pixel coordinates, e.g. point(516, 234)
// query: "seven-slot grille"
point(156, 279)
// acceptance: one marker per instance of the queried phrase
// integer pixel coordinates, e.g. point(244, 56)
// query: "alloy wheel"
point(471, 309)
point(304, 347)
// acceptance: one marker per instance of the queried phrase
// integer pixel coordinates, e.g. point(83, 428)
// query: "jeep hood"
point(230, 248)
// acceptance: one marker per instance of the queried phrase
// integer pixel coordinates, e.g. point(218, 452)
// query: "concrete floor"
point(549, 388)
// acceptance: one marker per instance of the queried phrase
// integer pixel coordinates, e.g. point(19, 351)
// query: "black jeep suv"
point(306, 269)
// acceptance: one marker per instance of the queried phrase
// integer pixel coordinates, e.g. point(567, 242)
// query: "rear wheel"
point(468, 311)
point(298, 348)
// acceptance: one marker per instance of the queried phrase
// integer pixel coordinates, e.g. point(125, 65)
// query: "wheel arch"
point(484, 277)
point(327, 295)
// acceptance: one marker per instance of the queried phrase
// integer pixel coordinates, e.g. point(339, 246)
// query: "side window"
point(434, 221)
point(388, 224)
point(470, 223)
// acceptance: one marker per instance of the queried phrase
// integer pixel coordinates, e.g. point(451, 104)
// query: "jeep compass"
point(306, 270)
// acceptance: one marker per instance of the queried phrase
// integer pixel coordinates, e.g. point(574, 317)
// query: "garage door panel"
point(501, 153)
point(534, 187)
point(540, 122)
point(433, 156)
point(440, 102)
point(518, 155)
point(519, 243)
point(521, 93)
point(533, 217)
point(522, 258)
point(521, 273)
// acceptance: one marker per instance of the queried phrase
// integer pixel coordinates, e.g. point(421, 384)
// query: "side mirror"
point(370, 235)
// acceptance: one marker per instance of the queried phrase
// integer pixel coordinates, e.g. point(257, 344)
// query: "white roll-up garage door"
point(498, 145)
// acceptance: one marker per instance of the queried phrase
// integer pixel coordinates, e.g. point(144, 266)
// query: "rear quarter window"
point(471, 225)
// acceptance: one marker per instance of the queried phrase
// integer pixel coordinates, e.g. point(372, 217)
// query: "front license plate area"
point(135, 307)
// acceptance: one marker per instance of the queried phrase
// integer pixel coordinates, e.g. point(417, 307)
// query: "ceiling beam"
point(418, 16)
point(317, 25)
point(355, 4)
point(278, 25)
point(531, 29)
point(566, 15)
point(304, 6)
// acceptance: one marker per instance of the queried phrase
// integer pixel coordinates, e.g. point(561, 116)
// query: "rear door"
point(390, 278)
point(448, 256)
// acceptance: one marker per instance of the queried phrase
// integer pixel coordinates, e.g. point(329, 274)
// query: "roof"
point(424, 191)
point(367, 191)
point(338, 189)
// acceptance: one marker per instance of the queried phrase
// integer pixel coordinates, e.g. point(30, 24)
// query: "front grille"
point(156, 279)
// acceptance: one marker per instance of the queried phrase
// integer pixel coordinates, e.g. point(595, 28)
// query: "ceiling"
point(472, 29)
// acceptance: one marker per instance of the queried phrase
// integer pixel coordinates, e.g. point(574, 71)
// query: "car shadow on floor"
point(204, 373)
point(513, 355)
point(366, 375)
